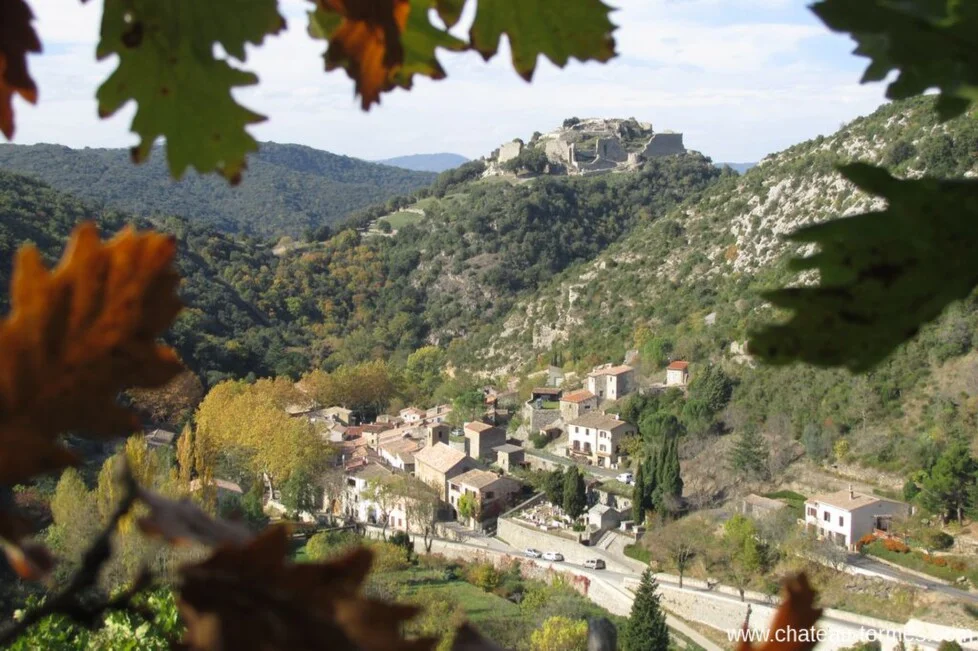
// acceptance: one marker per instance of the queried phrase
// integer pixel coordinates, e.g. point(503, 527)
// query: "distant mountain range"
point(426, 162)
point(287, 189)
point(740, 168)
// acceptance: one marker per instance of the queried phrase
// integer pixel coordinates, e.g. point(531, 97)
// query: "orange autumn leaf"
point(31, 561)
point(17, 38)
point(251, 597)
point(76, 337)
point(367, 43)
point(796, 613)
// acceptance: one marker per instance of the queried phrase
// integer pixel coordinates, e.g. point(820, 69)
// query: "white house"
point(360, 477)
point(677, 374)
point(611, 382)
point(412, 415)
point(846, 516)
point(598, 437)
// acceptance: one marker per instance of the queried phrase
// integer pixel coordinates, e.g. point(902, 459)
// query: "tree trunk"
point(680, 580)
point(741, 591)
point(429, 539)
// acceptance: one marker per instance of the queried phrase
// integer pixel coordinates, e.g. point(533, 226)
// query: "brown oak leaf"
point(76, 337)
point(31, 561)
point(367, 43)
point(17, 38)
point(183, 522)
point(251, 598)
point(797, 613)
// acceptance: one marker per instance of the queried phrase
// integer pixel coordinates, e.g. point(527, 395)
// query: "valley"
point(545, 344)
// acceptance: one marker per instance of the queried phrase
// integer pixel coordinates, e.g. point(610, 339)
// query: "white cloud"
point(741, 78)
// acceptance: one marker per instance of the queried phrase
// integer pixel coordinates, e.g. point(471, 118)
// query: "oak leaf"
point(251, 598)
point(17, 38)
point(29, 560)
point(558, 30)
point(168, 66)
point(183, 522)
point(797, 613)
point(365, 40)
point(76, 337)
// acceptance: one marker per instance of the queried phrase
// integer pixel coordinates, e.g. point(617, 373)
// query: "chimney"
point(852, 495)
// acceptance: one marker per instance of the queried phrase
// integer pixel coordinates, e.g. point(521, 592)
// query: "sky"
point(740, 78)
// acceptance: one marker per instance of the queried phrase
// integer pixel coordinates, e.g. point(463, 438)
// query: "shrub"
point(539, 440)
point(484, 575)
point(893, 545)
point(937, 540)
point(948, 645)
point(868, 539)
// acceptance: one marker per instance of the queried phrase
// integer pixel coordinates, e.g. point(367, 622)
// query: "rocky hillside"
point(287, 190)
point(687, 286)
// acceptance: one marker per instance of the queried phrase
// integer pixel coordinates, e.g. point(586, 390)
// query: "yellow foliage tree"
point(250, 419)
point(560, 634)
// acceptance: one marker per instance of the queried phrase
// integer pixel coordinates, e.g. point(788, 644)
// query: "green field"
point(401, 219)
point(479, 605)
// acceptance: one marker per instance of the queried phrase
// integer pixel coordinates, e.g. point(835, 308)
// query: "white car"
point(594, 564)
point(626, 478)
point(553, 556)
point(531, 553)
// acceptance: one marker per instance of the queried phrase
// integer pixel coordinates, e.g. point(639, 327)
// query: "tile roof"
point(508, 448)
point(439, 456)
point(370, 472)
point(223, 484)
point(678, 366)
point(611, 370)
point(845, 499)
point(595, 420)
point(477, 479)
point(477, 426)
point(577, 396)
point(546, 391)
point(403, 448)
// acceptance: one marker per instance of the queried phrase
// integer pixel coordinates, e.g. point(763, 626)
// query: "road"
point(868, 563)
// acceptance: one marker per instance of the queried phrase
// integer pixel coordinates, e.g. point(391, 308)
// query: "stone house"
point(436, 464)
point(597, 438)
point(438, 414)
point(602, 517)
point(412, 415)
point(577, 403)
point(509, 457)
point(482, 439)
point(545, 394)
point(399, 453)
point(361, 477)
point(337, 415)
point(846, 516)
point(758, 507)
point(160, 438)
point(611, 382)
point(677, 374)
point(227, 491)
point(492, 493)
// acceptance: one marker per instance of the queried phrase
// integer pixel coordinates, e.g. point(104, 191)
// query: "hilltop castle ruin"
point(593, 145)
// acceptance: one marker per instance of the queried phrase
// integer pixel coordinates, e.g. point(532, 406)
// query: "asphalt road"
point(868, 563)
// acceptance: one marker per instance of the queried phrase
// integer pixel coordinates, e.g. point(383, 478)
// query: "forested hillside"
point(354, 297)
point(689, 286)
point(288, 189)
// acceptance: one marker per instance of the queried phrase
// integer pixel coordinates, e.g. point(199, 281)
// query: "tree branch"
point(68, 601)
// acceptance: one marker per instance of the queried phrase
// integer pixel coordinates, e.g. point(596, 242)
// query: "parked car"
point(626, 478)
point(553, 556)
point(594, 564)
point(531, 553)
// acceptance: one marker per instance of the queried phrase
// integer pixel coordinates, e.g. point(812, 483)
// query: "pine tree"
point(638, 496)
point(575, 493)
point(750, 453)
point(646, 629)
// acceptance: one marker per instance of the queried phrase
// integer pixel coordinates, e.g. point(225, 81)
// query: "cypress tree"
point(650, 485)
point(638, 496)
point(646, 629)
point(575, 493)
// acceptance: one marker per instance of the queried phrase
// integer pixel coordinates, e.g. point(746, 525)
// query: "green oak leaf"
point(420, 38)
point(559, 30)
point(450, 11)
point(882, 274)
point(932, 43)
point(182, 91)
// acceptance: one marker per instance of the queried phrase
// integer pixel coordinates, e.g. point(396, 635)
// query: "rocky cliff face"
point(731, 237)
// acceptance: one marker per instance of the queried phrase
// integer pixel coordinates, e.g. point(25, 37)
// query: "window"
point(490, 495)
point(827, 517)
point(812, 511)
point(842, 521)
point(351, 482)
